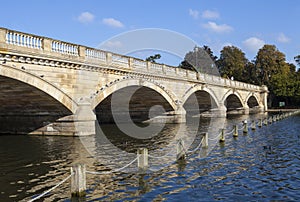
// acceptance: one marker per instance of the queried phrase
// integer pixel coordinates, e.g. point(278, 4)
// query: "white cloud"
point(112, 22)
point(212, 26)
point(253, 44)
point(208, 14)
point(86, 17)
point(194, 13)
point(113, 44)
point(282, 38)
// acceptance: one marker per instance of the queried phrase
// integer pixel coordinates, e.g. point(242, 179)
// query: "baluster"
point(61, 46)
point(30, 42)
point(17, 39)
point(20, 40)
point(27, 41)
point(7, 37)
point(57, 47)
point(23, 40)
point(38, 43)
point(34, 42)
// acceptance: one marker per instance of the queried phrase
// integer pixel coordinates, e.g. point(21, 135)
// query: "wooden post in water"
point(205, 141)
point(142, 158)
point(180, 149)
point(253, 125)
point(245, 130)
point(235, 132)
point(266, 121)
point(270, 120)
point(222, 138)
point(78, 180)
point(260, 123)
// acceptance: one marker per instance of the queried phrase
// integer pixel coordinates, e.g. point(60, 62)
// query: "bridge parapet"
point(43, 48)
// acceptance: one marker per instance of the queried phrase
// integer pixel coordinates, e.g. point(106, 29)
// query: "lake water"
point(263, 165)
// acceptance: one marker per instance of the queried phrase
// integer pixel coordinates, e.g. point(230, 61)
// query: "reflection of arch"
point(200, 88)
point(40, 84)
point(233, 92)
point(252, 96)
point(132, 82)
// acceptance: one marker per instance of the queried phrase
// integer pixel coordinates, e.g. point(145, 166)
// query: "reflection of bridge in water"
point(52, 87)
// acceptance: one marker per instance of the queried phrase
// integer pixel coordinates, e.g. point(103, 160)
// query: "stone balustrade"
point(23, 43)
point(64, 48)
point(24, 40)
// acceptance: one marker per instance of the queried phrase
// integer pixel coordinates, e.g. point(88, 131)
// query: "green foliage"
point(269, 61)
point(232, 63)
point(280, 77)
point(153, 58)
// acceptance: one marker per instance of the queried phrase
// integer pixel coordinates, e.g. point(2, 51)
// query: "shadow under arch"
point(108, 90)
point(252, 100)
point(205, 98)
point(40, 84)
point(145, 95)
point(233, 101)
point(26, 103)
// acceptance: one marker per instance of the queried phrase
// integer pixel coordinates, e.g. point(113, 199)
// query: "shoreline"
point(282, 110)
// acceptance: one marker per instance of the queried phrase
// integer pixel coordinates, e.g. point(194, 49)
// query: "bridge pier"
point(180, 115)
point(82, 123)
point(177, 116)
point(246, 109)
point(219, 112)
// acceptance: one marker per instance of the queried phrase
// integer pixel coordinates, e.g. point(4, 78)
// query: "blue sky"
point(247, 24)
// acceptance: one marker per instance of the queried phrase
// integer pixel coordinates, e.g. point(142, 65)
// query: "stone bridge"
point(53, 87)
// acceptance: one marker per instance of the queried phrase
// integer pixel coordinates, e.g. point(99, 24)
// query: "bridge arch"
point(252, 100)
point(232, 100)
point(204, 101)
point(110, 89)
point(40, 84)
point(142, 99)
point(200, 88)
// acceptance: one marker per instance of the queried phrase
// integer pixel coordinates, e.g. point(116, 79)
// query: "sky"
point(246, 24)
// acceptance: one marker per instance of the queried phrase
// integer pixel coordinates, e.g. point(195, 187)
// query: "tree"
point(249, 74)
point(201, 60)
point(232, 63)
point(273, 71)
point(153, 58)
point(210, 53)
point(269, 62)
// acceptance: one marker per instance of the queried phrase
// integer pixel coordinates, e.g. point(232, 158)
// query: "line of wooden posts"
point(78, 171)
